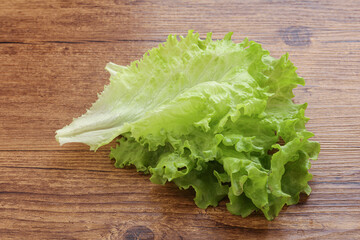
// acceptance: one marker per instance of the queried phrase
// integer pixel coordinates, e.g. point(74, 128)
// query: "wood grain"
point(52, 59)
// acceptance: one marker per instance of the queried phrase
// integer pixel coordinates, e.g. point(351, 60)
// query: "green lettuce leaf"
point(212, 115)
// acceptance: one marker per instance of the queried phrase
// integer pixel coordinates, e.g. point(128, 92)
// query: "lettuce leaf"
point(212, 115)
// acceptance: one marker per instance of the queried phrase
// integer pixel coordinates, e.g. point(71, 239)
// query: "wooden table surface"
point(52, 59)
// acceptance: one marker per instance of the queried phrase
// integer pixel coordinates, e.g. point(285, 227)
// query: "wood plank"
point(61, 83)
point(80, 194)
point(74, 21)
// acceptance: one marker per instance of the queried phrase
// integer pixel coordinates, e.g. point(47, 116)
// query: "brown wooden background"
point(52, 59)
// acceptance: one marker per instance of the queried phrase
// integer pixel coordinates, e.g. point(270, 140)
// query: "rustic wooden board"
point(52, 59)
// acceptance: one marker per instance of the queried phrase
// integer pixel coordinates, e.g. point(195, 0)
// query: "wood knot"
point(296, 36)
point(139, 233)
